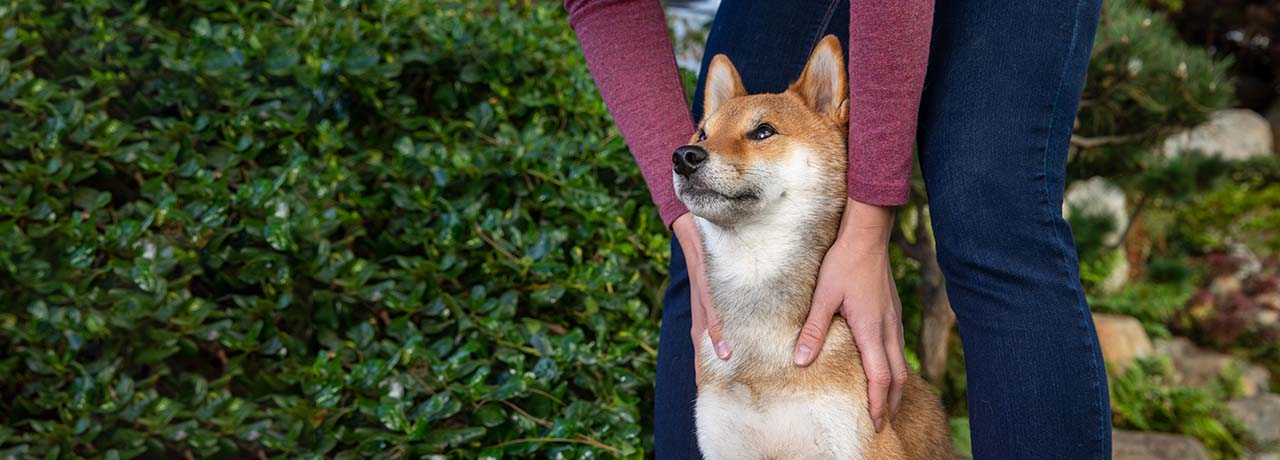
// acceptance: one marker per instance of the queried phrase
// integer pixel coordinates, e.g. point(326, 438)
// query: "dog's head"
point(756, 155)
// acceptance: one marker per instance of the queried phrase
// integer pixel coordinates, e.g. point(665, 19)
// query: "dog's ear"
point(723, 83)
point(823, 84)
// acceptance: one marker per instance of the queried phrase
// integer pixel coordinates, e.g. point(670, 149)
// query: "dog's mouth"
point(696, 191)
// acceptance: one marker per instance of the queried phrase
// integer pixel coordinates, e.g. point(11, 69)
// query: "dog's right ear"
point(723, 83)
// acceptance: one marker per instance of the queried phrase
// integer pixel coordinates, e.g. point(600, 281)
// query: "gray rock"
point(1134, 445)
point(1175, 347)
point(1099, 196)
point(1197, 367)
point(1234, 134)
point(1261, 416)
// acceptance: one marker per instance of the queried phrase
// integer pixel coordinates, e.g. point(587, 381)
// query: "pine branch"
point(1082, 142)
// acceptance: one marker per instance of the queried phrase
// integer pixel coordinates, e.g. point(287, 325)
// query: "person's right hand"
point(705, 321)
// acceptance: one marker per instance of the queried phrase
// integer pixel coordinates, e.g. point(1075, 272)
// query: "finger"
point(697, 368)
point(697, 321)
point(897, 308)
point(814, 332)
point(715, 329)
point(897, 365)
point(869, 336)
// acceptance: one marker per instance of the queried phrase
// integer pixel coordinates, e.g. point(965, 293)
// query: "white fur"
point(820, 426)
point(754, 251)
point(746, 259)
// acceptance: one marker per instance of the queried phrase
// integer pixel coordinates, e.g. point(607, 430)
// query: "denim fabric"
point(1000, 98)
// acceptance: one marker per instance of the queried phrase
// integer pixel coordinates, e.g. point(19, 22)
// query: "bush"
point(1243, 212)
point(1090, 228)
point(1143, 84)
point(316, 229)
point(1145, 398)
point(1153, 304)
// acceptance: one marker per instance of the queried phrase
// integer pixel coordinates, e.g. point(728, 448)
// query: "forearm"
point(888, 56)
point(628, 50)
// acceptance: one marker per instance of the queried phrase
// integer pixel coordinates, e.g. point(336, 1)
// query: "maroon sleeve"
point(628, 50)
point(888, 55)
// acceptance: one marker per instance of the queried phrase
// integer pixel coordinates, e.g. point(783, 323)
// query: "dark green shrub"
point(1143, 84)
point(1169, 270)
point(1244, 209)
point(303, 229)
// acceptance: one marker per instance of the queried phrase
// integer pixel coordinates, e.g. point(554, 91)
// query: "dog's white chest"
point(801, 426)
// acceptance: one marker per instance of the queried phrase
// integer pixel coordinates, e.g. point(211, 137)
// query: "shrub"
point(1145, 398)
point(1090, 228)
point(1226, 314)
point(1143, 84)
point(1153, 304)
point(1233, 212)
point(316, 229)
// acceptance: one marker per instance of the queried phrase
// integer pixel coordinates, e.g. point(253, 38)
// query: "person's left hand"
point(856, 280)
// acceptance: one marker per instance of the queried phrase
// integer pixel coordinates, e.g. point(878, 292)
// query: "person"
point(987, 91)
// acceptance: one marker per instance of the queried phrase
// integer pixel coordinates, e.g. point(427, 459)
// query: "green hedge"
point(302, 229)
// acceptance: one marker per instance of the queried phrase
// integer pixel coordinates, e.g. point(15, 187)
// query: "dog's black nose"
point(688, 158)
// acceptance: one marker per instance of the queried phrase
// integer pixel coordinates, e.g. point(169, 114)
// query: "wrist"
point(686, 232)
point(865, 227)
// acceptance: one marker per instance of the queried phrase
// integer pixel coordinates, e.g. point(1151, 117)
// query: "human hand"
point(705, 321)
point(855, 279)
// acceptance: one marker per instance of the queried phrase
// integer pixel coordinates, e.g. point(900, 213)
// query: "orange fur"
point(810, 117)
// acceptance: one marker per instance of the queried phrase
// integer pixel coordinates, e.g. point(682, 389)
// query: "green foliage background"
point(303, 229)
point(390, 229)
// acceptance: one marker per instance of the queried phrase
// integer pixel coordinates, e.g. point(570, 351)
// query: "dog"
point(764, 177)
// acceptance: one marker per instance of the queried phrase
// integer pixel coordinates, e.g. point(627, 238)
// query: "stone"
point(1225, 285)
point(1233, 134)
point(1269, 300)
point(1122, 339)
point(1197, 367)
point(1176, 347)
point(1261, 416)
point(1136, 445)
point(1267, 317)
point(1098, 195)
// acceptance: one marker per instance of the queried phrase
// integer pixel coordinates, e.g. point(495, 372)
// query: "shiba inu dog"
point(764, 177)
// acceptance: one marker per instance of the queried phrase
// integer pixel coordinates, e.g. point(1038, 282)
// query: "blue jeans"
point(1000, 97)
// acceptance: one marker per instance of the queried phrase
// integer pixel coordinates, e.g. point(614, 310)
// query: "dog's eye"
point(702, 135)
point(762, 132)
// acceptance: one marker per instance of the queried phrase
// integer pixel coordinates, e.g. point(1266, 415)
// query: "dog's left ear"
point(823, 84)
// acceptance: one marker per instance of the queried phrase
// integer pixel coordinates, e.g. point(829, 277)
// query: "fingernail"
point(722, 349)
point(802, 355)
point(879, 424)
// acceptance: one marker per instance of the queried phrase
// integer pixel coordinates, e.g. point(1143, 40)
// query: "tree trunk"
point(938, 318)
point(937, 315)
point(1136, 248)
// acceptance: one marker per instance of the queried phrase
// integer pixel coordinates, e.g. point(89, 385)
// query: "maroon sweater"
point(628, 50)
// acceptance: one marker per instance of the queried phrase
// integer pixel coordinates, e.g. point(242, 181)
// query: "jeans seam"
point(1057, 230)
point(826, 20)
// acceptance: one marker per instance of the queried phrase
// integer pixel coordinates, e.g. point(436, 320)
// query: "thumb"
point(814, 332)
